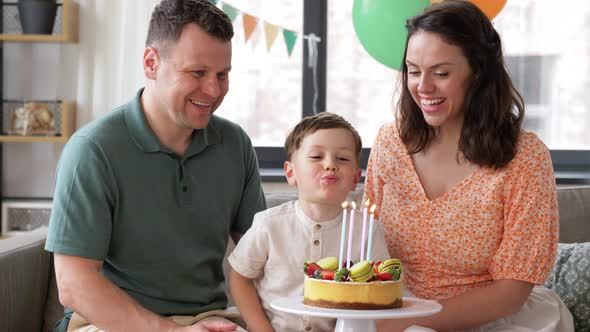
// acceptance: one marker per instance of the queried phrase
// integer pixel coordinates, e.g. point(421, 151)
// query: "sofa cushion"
point(570, 278)
point(574, 213)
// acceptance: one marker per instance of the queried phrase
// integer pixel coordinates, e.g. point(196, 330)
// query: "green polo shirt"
point(160, 222)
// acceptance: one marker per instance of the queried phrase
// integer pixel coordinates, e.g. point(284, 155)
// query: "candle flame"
point(367, 203)
point(373, 208)
point(344, 205)
point(353, 205)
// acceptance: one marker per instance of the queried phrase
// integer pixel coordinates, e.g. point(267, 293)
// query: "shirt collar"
point(310, 223)
point(145, 138)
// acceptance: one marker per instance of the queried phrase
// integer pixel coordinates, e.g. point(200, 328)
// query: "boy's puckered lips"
point(330, 179)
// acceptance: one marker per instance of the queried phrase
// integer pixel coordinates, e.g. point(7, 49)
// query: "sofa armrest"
point(24, 275)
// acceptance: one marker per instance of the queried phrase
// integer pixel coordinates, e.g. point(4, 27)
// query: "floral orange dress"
point(495, 224)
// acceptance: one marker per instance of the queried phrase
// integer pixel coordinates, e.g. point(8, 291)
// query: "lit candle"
point(343, 235)
point(350, 230)
point(371, 221)
point(364, 232)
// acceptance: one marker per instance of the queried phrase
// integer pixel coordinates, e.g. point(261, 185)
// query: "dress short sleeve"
point(530, 233)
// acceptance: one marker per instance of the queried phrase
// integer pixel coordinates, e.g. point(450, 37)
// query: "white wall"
point(35, 72)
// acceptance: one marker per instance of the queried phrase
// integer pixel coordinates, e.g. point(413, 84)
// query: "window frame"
point(570, 166)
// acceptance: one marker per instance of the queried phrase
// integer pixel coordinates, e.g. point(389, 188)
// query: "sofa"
point(29, 301)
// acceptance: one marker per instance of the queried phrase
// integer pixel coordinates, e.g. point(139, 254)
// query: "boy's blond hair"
point(311, 124)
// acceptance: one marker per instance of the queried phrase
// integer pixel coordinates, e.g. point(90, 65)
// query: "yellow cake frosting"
point(352, 295)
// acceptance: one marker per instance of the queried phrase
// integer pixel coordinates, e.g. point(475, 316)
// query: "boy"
point(323, 153)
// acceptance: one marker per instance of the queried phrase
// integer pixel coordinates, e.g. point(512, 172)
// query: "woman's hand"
point(471, 309)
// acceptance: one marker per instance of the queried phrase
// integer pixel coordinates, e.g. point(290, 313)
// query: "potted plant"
point(37, 16)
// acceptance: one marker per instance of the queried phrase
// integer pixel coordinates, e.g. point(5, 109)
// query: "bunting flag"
point(250, 23)
point(213, 2)
point(270, 31)
point(290, 39)
point(232, 12)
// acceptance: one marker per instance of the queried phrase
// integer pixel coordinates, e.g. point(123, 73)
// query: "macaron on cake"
point(329, 263)
point(366, 286)
point(361, 272)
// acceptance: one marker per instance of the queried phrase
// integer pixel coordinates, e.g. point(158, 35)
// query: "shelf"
point(68, 122)
point(37, 38)
point(68, 32)
point(33, 139)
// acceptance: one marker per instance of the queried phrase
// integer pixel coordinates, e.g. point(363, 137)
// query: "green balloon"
point(380, 26)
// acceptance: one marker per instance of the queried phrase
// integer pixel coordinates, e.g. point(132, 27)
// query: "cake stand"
point(358, 320)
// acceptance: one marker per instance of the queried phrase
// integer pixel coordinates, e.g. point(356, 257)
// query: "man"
point(146, 196)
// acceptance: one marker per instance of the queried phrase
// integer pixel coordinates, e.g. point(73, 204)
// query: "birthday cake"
point(365, 286)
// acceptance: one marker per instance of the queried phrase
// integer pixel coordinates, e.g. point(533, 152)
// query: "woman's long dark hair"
point(493, 109)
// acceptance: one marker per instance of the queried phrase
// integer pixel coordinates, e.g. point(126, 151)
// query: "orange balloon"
point(490, 7)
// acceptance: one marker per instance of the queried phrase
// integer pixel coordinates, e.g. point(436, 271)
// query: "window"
point(265, 85)
point(549, 63)
point(270, 91)
point(359, 88)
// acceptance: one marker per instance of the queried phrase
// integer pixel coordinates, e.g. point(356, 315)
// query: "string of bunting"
point(271, 31)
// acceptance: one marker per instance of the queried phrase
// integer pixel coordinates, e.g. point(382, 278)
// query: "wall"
point(35, 72)
point(99, 72)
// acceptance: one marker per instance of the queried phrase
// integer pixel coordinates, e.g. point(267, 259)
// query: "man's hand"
point(217, 325)
point(210, 326)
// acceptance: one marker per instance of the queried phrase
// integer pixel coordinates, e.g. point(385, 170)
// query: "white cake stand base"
point(351, 325)
point(358, 320)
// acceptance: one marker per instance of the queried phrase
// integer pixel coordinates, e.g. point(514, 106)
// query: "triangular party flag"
point(213, 2)
point(290, 39)
point(249, 25)
point(270, 31)
point(231, 12)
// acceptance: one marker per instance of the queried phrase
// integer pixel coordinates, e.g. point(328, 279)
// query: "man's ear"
point(290, 173)
point(151, 61)
point(356, 179)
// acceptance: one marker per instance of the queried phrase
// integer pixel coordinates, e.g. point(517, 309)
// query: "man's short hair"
point(311, 124)
point(170, 16)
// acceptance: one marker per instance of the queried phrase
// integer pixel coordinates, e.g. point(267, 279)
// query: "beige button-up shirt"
point(273, 251)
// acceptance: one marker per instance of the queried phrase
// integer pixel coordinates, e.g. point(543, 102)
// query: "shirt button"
point(318, 226)
point(316, 242)
point(184, 188)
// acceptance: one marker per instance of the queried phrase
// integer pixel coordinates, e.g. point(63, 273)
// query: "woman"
point(466, 196)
